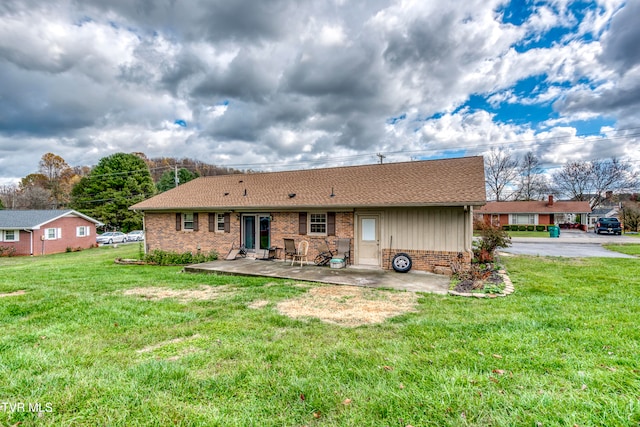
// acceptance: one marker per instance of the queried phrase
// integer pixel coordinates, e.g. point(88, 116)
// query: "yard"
point(86, 341)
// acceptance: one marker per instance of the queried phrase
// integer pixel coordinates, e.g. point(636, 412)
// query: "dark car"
point(608, 225)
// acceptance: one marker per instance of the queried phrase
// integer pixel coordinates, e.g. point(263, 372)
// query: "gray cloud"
point(621, 46)
point(284, 81)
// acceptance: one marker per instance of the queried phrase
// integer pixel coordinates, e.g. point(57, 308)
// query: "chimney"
point(550, 200)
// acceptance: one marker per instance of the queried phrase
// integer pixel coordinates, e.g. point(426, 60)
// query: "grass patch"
point(629, 249)
point(562, 350)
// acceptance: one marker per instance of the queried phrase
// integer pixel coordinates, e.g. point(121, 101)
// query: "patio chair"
point(344, 250)
point(301, 254)
point(289, 249)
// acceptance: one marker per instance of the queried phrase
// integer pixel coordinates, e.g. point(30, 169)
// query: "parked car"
point(135, 236)
point(111, 237)
point(608, 225)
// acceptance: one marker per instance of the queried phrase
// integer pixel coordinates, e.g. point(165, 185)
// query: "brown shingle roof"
point(422, 183)
point(535, 206)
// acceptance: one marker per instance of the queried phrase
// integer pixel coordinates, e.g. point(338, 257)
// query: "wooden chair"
point(344, 250)
point(301, 254)
point(289, 249)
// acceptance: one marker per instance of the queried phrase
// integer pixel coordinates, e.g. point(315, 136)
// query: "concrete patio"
point(414, 281)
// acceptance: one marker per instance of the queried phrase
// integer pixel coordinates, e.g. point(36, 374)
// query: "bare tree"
point(500, 169)
point(591, 181)
point(60, 178)
point(532, 183)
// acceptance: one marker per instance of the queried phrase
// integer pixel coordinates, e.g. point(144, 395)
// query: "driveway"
point(571, 243)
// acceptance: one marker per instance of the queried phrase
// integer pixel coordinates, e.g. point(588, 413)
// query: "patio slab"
point(413, 281)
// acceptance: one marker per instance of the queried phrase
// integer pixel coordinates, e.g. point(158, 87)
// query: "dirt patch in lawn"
point(13, 294)
point(349, 306)
point(258, 304)
point(204, 292)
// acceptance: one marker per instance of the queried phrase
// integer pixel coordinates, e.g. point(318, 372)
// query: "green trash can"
point(554, 231)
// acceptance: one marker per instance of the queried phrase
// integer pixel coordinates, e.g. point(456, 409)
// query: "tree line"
point(106, 190)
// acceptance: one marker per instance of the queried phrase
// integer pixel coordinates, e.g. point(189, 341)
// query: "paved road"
point(571, 243)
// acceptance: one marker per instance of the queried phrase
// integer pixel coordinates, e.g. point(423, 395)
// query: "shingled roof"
point(34, 219)
point(450, 182)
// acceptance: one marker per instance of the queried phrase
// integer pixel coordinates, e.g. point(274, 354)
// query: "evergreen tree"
point(117, 182)
point(168, 179)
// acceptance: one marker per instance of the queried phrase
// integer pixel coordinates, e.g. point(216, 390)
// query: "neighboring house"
point(534, 212)
point(40, 232)
point(422, 208)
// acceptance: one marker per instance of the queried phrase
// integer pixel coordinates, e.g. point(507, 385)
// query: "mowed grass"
point(564, 349)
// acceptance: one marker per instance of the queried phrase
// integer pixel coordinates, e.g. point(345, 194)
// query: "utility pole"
point(381, 156)
point(175, 175)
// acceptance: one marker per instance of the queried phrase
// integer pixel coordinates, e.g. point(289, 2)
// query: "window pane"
point(318, 223)
point(220, 218)
point(188, 221)
point(368, 229)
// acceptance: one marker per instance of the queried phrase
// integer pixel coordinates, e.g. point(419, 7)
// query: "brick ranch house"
point(534, 212)
point(42, 232)
point(422, 208)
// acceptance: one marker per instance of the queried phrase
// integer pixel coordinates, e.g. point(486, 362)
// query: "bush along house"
point(422, 209)
point(42, 232)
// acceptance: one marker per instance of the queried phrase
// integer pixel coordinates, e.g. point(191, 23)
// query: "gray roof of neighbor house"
point(535, 206)
point(34, 219)
point(447, 182)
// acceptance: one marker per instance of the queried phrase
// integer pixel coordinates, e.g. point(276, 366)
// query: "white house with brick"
point(41, 232)
point(421, 208)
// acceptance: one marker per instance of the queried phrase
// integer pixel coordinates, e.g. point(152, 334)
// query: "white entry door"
point(369, 240)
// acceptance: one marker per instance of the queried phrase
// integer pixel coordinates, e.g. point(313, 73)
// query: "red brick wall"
point(67, 240)
point(427, 260)
point(161, 233)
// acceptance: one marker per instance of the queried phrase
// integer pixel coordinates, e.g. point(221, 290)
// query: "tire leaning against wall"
point(401, 262)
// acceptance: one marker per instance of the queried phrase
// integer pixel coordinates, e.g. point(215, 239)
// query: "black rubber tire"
point(110, 241)
point(401, 262)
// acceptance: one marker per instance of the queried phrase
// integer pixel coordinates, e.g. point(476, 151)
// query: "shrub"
point(514, 228)
point(174, 258)
point(491, 238)
point(506, 227)
point(522, 228)
point(531, 227)
point(540, 227)
point(7, 251)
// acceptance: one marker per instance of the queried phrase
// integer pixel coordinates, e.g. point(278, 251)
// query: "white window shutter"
point(59, 233)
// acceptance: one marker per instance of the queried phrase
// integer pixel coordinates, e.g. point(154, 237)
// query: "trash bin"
point(554, 231)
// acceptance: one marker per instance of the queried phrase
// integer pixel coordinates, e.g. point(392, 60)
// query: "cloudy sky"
point(282, 84)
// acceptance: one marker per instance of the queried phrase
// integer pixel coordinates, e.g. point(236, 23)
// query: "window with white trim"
point(523, 219)
point(317, 223)
point(10, 235)
point(187, 221)
point(220, 222)
point(52, 233)
point(83, 231)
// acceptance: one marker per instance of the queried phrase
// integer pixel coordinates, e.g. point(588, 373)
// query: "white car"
point(135, 236)
point(111, 237)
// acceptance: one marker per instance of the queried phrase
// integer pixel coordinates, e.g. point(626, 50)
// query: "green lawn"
point(564, 349)
point(629, 249)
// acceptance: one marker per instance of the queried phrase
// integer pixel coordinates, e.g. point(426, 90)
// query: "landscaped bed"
point(89, 342)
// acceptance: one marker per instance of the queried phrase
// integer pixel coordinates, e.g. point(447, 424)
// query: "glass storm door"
point(256, 231)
